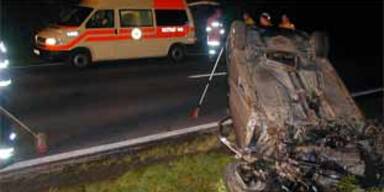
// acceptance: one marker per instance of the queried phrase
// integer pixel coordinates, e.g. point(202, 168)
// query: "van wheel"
point(81, 59)
point(176, 53)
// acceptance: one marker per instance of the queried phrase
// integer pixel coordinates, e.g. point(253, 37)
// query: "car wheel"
point(234, 182)
point(177, 53)
point(238, 35)
point(81, 59)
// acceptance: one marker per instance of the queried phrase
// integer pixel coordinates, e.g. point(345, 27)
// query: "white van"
point(100, 30)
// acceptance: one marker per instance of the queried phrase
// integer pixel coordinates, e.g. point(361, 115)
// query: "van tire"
point(80, 59)
point(176, 53)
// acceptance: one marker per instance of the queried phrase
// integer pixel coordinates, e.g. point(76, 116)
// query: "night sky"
point(355, 29)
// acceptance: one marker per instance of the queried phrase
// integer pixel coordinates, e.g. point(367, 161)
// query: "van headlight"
point(50, 41)
point(6, 153)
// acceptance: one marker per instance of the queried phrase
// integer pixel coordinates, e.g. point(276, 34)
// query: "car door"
point(101, 35)
point(136, 32)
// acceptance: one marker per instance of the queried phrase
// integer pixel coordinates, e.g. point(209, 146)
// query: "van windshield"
point(74, 16)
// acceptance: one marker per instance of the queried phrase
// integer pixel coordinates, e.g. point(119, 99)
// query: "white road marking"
point(207, 75)
point(105, 148)
point(38, 65)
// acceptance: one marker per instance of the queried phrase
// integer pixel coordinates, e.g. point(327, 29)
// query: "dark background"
point(355, 29)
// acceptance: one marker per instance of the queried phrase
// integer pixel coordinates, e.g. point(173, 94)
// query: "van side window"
point(171, 17)
point(101, 19)
point(136, 18)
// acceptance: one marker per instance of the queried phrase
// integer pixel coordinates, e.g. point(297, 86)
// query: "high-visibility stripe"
point(99, 35)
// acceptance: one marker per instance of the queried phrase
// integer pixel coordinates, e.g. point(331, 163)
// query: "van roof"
point(141, 4)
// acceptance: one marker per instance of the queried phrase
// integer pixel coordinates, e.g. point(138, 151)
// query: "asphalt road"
point(114, 101)
point(110, 101)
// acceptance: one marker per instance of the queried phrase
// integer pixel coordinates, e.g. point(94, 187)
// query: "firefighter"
point(286, 23)
point(215, 33)
point(248, 20)
point(265, 20)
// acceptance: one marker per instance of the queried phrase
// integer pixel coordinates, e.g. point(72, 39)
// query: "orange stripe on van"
point(78, 39)
point(124, 34)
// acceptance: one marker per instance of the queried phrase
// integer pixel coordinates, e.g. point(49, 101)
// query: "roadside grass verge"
point(190, 163)
point(202, 172)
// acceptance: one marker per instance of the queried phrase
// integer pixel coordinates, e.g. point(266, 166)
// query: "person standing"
point(286, 23)
point(215, 32)
point(248, 20)
point(265, 20)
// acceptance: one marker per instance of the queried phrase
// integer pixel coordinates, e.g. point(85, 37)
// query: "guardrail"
point(55, 162)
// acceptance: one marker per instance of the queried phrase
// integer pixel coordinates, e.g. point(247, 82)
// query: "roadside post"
point(196, 111)
point(40, 138)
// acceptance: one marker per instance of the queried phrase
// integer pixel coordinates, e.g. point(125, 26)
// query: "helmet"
point(266, 15)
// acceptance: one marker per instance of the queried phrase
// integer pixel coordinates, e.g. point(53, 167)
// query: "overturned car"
point(296, 126)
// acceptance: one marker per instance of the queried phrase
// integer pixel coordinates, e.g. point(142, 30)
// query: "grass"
point(351, 184)
point(191, 163)
point(202, 172)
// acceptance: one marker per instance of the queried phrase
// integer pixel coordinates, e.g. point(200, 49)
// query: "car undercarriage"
point(296, 126)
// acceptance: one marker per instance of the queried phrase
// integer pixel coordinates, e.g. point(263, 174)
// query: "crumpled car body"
point(290, 110)
point(276, 81)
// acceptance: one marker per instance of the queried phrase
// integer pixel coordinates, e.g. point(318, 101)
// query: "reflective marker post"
point(368, 92)
point(195, 112)
point(41, 139)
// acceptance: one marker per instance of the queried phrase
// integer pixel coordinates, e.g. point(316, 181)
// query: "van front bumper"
point(51, 55)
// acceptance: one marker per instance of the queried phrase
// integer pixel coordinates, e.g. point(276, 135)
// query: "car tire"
point(320, 44)
point(176, 53)
point(81, 59)
point(233, 181)
point(238, 35)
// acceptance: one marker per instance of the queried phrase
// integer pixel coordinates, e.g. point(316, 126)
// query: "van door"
point(101, 35)
point(137, 32)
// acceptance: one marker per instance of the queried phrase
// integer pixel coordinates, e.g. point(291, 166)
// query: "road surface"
point(115, 101)
point(110, 101)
